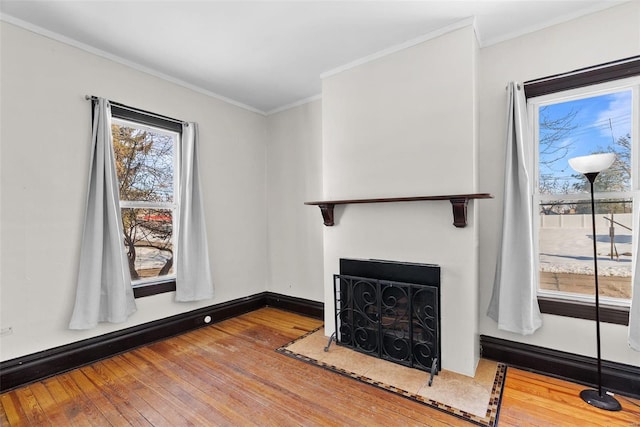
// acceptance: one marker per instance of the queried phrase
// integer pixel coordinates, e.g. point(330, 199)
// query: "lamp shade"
point(593, 163)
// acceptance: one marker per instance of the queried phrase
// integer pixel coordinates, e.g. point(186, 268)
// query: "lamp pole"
point(591, 166)
point(592, 177)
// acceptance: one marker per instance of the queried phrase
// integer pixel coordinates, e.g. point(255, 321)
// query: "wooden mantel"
point(458, 201)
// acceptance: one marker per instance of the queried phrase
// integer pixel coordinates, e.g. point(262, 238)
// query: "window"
point(581, 120)
point(145, 149)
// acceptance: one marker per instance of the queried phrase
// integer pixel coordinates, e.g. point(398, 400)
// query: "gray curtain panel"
point(193, 275)
point(514, 304)
point(104, 292)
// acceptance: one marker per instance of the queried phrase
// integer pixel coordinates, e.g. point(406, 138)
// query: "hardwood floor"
point(228, 374)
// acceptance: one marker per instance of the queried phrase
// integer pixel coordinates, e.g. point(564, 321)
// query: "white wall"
point(404, 125)
point(45, 150)
point(604, 36)
point(294, 176)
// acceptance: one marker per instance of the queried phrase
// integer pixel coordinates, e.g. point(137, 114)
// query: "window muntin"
point(146, 166)
point(567, 124)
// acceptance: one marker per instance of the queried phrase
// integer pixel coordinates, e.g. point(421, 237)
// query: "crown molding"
point(402, 46)
point(600, 6)
point(294, 104)
point(131, 64)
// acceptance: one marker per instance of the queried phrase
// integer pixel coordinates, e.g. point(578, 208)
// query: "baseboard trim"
point(297, 305)
point(616, 377)
point(37, 366)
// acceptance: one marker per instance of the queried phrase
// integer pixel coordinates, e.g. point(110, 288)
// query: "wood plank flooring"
point(228, 374)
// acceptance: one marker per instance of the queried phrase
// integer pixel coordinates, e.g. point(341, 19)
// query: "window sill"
point(580, 310)
point(154, 289)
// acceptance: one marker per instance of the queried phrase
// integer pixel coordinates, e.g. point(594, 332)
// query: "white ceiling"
point(266, 55)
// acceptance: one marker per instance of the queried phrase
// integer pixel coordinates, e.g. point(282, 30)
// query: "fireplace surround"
point(389, 310)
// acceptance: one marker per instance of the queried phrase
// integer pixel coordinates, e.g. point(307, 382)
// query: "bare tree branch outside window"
point(145, 169)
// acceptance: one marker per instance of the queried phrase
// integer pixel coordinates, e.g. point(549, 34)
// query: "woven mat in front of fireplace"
point(476, 400)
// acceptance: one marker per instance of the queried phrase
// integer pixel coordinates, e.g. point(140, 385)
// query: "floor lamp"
point(590, 167)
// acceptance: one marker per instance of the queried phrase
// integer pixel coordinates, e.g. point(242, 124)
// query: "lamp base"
point(606, 402)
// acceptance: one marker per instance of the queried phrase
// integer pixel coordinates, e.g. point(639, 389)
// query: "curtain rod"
point(582, 70)
point(138, 110)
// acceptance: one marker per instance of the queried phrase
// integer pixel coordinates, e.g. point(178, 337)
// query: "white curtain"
point(514, 303)
point(193, 281)
point(634, 314)
point(104, 292)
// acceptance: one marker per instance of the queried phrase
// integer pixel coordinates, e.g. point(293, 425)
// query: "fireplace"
point(390, 310)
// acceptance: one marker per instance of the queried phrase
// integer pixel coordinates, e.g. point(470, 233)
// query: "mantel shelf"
point(458, 201)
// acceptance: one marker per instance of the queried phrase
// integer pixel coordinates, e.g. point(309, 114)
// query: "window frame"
point(589, 77)
point(631, 84)
point(145, 118)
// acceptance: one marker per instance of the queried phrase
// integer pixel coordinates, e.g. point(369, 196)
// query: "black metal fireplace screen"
point(395, 321)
